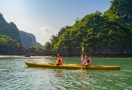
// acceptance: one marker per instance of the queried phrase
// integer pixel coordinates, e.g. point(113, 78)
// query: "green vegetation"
point(10, 42)
point(100, 33)
point(36, 50)
point(13, 41)
point(8, 45)
point(9, 29)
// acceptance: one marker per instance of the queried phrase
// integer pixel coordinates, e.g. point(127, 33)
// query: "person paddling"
point(59, 60)
point(87, 61)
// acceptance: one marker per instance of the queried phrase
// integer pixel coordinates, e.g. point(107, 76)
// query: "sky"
point(44, 18)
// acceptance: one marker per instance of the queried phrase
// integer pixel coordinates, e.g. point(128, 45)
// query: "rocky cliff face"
point(100, 33)
point(123, 8)
point(34, 42)
point(9, 29)
point(28, 40)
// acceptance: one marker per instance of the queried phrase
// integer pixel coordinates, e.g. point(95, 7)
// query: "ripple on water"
point(16, 76)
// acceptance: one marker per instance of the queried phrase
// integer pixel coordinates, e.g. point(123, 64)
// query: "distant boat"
point(27, 55)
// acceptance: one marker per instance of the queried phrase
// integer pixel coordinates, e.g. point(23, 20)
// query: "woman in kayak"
point(87, 61)
point(59, 60)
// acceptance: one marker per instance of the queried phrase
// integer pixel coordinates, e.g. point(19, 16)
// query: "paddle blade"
point(82, 48)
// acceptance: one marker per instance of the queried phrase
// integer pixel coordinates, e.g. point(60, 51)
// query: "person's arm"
point(56, 60)
point(83, 58)
point(84, 61)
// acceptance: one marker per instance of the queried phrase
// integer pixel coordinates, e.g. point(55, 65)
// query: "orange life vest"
point(60, 60)
point(89, 60)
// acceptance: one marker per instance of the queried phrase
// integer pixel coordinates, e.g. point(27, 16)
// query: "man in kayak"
point(87, 61)
point(59, 60)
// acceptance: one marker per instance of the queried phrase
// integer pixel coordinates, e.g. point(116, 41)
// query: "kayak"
point(71, 66)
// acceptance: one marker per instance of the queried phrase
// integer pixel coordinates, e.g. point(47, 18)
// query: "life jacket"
point(60, 60)
point(87, 60)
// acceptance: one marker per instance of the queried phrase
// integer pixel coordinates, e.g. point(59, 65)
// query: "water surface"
point(15, 75)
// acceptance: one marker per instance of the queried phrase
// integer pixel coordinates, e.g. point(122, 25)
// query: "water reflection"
point(86, 74)
point(86, 80)
point(83, 74)
point(58, 73)
point(73, 79)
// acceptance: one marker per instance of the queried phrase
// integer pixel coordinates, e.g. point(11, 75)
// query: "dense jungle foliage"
point(9, 45)
point(100, 33)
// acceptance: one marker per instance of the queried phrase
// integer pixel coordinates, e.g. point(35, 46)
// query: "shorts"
point(58, 64)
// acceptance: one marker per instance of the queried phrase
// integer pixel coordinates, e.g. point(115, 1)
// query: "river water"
point(15, 75)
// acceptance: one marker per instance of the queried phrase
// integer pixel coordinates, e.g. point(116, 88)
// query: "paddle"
point(81, 57)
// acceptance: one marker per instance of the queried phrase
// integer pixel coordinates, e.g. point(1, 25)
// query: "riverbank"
point(23, 56)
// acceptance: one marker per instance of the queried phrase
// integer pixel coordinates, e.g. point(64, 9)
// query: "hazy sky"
point(43, 18)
